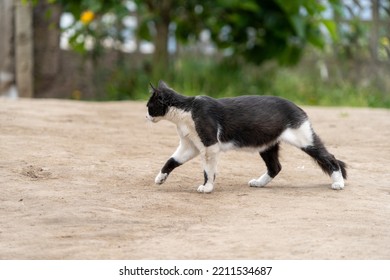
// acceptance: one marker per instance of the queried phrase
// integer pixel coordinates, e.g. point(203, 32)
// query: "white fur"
point(208, 188)
point(209, 162)
point(300, 137)
point(191, 145)
point(338, 180)
point(149, 117)
point(186, 151)
point(227, 146)
point(188, 136)
point(261, 182)
point(224, 146)
point(160, 178)
point(185, 127)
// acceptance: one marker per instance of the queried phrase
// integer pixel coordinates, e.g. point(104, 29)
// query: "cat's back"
point(249, 101)
point(263, 108)
point(250, 109)
point(257, 120)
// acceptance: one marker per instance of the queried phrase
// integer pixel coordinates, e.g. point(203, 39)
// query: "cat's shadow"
point(246, 190)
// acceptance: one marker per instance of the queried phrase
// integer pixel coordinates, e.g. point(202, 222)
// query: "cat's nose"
point(149, 117)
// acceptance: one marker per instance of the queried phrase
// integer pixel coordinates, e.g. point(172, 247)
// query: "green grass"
point(309, 90)
point(227, 78)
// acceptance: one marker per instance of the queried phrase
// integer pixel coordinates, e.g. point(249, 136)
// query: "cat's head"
point(158, 103)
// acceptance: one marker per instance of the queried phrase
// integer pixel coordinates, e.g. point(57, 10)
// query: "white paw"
point(261, 182)
point(160, 178)
point(208, 188)
point(338, 181)
point(255, 183)
point(338, 185)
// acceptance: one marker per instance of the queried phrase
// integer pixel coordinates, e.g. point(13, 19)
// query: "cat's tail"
point(343, 168)
point(327, 162)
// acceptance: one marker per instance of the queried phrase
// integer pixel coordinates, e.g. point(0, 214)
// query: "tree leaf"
point(331, 27)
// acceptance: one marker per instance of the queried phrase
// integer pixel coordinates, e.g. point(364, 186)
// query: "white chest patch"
point(185, 126)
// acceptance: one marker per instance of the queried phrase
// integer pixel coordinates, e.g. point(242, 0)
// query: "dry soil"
point(77, 182)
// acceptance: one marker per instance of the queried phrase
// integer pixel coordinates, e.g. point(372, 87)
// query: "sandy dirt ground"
point(77, 182)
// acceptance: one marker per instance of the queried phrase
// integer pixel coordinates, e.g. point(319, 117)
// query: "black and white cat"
point(207, 126)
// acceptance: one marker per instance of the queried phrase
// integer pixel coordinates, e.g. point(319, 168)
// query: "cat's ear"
point(152, 88)
point(162, 84)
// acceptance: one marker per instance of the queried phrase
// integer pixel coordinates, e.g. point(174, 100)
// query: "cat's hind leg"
point(271, 159)
point(185, 152)
point(307, 140)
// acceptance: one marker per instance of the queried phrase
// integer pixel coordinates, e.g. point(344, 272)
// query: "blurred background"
point(314, 52)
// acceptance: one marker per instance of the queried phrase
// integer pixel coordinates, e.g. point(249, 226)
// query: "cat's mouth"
point(151, 119)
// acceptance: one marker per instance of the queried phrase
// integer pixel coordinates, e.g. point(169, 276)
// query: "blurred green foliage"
point(107, 23)
point(271, 30)
point(261, 38)
point(257, 30)
point(199, 75)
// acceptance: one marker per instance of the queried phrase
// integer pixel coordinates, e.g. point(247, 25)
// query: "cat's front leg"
point(185, 152)
point(209, 160)
point(162, 176)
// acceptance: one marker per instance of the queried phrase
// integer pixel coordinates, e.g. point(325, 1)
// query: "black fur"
point(324, 159)
point(206, 177)
point(163, 97)
point(239, 118)
point(271, 159)
point(245, 121)
point(169, 166)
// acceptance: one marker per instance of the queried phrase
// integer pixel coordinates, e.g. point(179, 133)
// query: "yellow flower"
point(87, 16)
point(385, 41)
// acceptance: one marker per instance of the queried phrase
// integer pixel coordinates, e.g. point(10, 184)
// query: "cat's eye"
point(160, 99)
